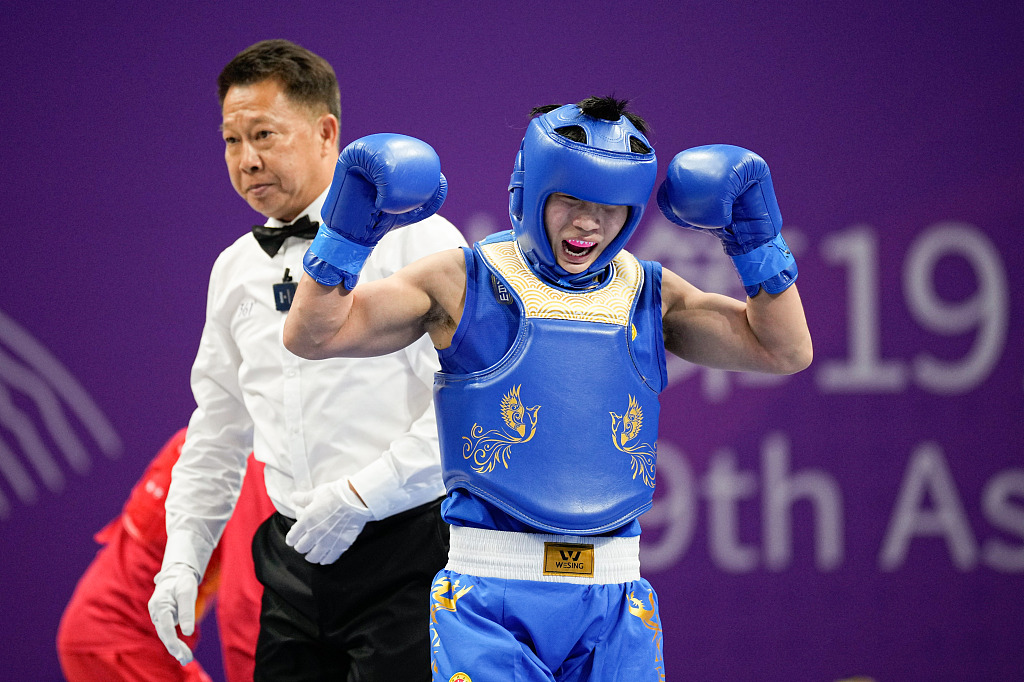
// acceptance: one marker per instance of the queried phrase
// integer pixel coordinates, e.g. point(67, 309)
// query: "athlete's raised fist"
point(727, 190)
point(382, 182)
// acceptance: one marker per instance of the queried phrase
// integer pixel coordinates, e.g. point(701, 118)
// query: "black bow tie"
point(271, 238)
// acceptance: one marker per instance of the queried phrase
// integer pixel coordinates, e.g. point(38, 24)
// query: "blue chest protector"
point(551, 414)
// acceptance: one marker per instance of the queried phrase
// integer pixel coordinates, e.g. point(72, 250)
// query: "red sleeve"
point(143, 513)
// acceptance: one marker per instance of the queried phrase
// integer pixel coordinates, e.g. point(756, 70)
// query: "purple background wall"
point(863, 517)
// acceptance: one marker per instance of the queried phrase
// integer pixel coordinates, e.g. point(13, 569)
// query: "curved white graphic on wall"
point(47, 420)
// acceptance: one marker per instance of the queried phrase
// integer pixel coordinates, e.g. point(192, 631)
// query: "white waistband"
point(550, 558)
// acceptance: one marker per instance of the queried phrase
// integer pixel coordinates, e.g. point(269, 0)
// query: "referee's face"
point(280, 154)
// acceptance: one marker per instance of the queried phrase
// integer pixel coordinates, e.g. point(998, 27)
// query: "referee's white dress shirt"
point(370, 420)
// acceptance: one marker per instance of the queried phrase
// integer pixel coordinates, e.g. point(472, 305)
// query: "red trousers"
point(129, 666)
point(106, 634)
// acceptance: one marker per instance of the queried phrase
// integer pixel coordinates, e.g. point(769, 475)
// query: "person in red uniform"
point(105, 633)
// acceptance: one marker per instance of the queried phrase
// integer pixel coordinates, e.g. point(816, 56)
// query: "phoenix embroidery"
point(493, 447)
point(626, 428)
point(443, 587)
point(649, 617)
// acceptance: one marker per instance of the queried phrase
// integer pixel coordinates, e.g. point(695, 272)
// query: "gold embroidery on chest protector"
point(611, 304)
point(488, 448)
point(625, 428)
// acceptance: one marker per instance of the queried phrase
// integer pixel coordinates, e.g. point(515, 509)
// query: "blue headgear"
point(602, 170)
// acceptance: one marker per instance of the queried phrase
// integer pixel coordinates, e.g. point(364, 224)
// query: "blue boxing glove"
point(727, 190)
point(381, 182)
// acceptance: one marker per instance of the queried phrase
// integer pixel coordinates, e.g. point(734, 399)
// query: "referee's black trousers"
point(364, 618)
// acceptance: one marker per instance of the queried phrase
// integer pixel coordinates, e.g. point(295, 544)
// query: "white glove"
point(329, 518)
point(174, 602)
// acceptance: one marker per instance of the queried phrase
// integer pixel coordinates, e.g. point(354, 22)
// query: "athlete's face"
point(580, 230)
point(280, 155)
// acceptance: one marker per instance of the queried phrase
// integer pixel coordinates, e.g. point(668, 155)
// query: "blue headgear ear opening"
point(515, 188)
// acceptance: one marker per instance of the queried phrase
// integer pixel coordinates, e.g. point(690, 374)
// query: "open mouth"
point(577, 248)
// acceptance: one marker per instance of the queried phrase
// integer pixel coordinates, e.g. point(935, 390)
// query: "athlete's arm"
point(727, 191)
point(768, 333)
point(382, 316)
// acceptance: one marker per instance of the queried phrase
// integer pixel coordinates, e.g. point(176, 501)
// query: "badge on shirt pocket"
point(284, 292)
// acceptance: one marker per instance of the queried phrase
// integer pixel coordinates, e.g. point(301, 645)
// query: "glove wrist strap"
point(772, 262)
point(340, 259)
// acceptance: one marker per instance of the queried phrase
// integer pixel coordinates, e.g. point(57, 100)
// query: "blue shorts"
point(497, 629)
